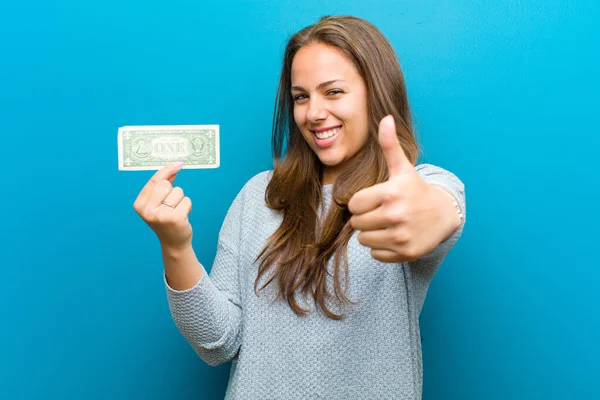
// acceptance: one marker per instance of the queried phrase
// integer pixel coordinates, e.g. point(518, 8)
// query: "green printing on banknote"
point(143, 148)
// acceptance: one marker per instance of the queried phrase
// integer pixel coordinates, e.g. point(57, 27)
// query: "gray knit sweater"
point(374, 353)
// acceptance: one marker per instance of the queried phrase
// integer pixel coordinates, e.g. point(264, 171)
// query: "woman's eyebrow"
point(319, 86)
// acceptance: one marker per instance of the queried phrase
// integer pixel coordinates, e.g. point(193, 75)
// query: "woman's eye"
point(299, 97)
point(334, 92)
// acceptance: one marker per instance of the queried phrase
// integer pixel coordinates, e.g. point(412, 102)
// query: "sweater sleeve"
point(438, 176)
point(423, 269)
point(209, 315)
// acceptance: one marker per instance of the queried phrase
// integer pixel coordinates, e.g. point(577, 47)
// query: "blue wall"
point(503, 95)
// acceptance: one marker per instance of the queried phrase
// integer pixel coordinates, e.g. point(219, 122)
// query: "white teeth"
point(327, 134)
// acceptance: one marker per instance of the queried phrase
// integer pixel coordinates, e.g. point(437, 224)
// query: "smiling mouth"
point(326, 133)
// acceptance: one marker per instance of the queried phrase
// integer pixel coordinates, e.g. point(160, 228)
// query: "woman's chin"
point(330, 163)
point(332, 168)
point(329, 158)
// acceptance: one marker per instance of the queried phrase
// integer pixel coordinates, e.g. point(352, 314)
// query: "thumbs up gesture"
point(404, 218)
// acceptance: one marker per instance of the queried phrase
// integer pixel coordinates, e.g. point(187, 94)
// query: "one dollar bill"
point(153, 147)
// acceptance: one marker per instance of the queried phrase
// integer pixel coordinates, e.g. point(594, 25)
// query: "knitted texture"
point(374, 353)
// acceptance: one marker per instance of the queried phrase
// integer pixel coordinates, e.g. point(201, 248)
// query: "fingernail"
point(178, 164)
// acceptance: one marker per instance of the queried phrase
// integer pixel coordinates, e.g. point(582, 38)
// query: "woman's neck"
point(330, 175)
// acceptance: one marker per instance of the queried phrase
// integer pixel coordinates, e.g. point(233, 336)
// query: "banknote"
point(152, 147)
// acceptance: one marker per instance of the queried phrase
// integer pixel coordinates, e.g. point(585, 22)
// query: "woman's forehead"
point(317, 63)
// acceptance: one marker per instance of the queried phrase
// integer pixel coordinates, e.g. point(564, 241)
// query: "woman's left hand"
point(404, 218)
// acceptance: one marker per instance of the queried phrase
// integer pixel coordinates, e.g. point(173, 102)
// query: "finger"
point(184, 207)
point(173, 198)
point(159, 192)
point(372, 220)
point(381, 239)
point(392, 150)
point(389, 256)
point(168, 172)
point(370, 198)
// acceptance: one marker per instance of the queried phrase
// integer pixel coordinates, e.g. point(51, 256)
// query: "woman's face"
point(330, 106)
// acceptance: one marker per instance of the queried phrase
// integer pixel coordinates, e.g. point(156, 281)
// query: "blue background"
point(503, 95)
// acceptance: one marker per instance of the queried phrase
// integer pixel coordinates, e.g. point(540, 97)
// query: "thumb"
point(392, 150)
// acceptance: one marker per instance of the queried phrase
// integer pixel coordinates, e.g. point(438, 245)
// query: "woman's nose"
point(316, 111)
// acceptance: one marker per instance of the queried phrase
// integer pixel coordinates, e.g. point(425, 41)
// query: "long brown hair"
point(301, 247)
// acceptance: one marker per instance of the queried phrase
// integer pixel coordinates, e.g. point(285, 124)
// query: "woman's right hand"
point(170, 224)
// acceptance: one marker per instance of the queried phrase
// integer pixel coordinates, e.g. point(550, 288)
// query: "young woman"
point(323, 263)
